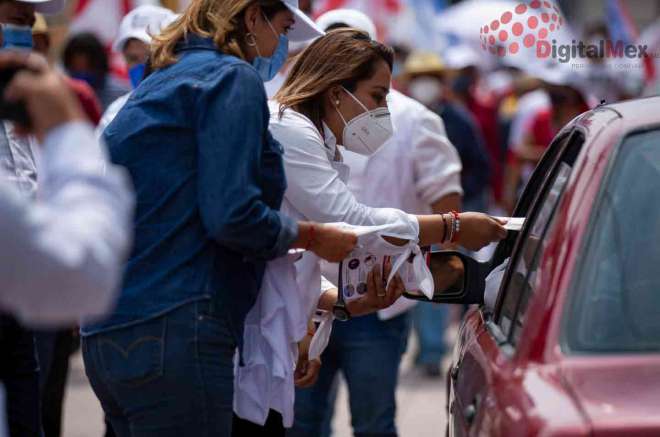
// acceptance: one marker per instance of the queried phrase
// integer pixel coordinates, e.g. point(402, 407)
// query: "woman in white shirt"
point(335, 95)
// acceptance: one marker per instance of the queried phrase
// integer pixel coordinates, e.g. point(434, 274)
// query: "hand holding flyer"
point(512, 223)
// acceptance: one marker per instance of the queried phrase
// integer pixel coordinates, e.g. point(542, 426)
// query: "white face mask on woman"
point(367, 132)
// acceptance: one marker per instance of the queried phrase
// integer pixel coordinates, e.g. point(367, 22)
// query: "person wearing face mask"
point(335, 95)
point(19, 370)
point(427, 169)
point(273, 85)
point(86, 59)
point(209, 181)
point(135, 33)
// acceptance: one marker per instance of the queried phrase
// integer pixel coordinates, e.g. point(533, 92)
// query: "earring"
point(251, 40)
point(337, 103)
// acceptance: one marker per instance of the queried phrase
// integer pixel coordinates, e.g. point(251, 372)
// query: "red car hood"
point(620, 396)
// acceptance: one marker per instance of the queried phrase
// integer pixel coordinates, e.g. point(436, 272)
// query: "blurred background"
point(476, 63)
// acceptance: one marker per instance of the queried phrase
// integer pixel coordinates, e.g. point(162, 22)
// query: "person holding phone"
point(209, 180)
point(18, 164)
point(77, 232)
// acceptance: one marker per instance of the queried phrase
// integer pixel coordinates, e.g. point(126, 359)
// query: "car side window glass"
point(535, 242)
point(505, 248)
point(520, 286)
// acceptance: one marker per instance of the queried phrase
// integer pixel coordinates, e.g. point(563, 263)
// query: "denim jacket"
point(209, 181)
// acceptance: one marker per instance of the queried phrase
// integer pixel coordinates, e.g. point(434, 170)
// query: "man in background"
point(63, 252)
point(133, 41)
point(19, 369)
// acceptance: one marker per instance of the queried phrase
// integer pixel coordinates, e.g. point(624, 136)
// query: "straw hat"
point(423, 63)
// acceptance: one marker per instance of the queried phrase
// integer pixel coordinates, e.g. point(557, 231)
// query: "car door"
point(484, 361)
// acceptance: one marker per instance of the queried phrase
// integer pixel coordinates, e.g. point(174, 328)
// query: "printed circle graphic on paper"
point(354, 264)
point(362, 288)
point(349, 291)
point(521, 28)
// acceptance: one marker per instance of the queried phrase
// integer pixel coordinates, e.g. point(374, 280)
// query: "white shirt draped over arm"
point(62, 255)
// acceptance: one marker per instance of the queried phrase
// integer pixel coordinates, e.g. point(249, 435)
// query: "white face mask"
point(425, 90)
point(367, 132)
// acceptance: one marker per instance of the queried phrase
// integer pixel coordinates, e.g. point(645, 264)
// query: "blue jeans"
point(368, 352)
point(430, 321)
point(168, 376)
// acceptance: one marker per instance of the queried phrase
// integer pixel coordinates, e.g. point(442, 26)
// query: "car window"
point(521, 284)
point(518, 286)
point(505, 248)
point(616, 296)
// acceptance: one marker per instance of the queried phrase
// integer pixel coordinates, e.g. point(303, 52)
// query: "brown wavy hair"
point(221, 20)
point(341, 57)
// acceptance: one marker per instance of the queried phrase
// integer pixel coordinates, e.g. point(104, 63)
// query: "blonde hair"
point(221, 20)
point(341, 57)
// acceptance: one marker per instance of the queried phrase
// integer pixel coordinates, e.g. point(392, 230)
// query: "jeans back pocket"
point(134, 356)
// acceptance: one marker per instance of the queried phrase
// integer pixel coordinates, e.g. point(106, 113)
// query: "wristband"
point(457, 226)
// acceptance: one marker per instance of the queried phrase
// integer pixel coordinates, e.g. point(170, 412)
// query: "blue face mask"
point(16, 37)
point(268, 67)
point(136, 74)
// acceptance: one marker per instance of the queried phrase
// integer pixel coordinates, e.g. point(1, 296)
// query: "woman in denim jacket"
point(209, 180)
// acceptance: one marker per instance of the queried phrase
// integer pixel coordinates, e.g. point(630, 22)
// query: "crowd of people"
point(184, 222)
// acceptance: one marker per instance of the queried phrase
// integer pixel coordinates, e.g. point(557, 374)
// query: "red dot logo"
point(529, 40)
point(522, 27)
point(518, 29)
point(532, 22)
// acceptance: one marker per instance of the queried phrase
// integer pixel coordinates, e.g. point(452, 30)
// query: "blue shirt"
point(464, 134)
point(209, 181)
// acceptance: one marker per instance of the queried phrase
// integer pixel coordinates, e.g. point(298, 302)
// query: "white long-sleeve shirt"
point(316, 191)
point(61, 255)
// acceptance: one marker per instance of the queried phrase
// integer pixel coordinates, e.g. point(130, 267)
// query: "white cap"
point(351, 17)
point(460, 56)
point(46, 6)
point(142, 23)
point(305, 28)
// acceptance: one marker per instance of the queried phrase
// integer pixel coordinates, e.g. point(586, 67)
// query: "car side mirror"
point(458, 279)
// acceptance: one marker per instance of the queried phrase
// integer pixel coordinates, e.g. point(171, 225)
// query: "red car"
point(572, 345)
